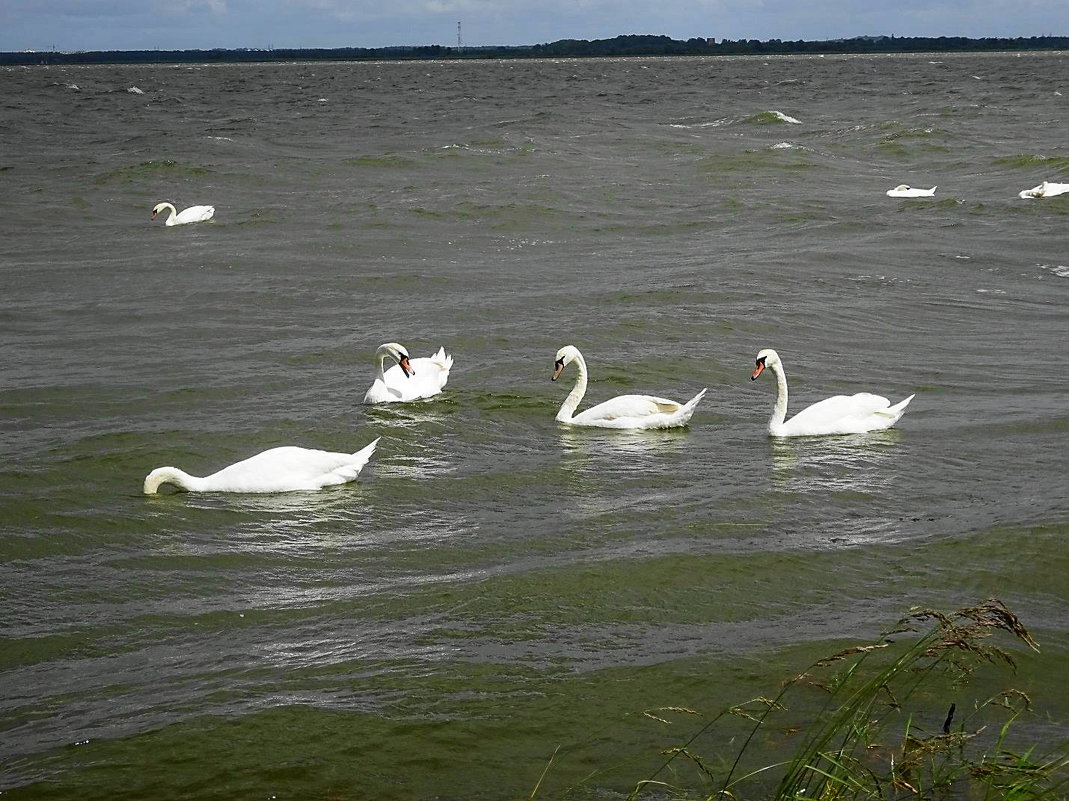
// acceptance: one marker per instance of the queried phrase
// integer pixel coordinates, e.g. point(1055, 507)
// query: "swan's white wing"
point(194, 214)
point(443, 360)
point(289, 468)
point(638, 411)
point(844, 414)
point(627, 406)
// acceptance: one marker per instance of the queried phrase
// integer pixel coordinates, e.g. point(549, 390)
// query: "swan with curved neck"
point(408, 379)
point(284, 469)
point(191, 215)
point(841, 414)
point(623, 411)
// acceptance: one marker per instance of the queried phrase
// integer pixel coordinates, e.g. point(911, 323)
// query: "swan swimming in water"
point(905, 190)
point(285, 469)
point(191, 215)
point(841, 414)
point(623, 411)
point(1045, 189)
point(409, 379)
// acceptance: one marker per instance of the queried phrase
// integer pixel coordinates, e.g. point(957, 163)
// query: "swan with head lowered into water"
point(185, 216)
point(841, 414)
point(408, 379)
point(1045, 189)
point(623, 411)
point(284, 469)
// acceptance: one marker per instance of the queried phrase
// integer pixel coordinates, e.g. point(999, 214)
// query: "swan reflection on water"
point(841, 463)
point(629, 449)
point(600, 458)
point(413, 416)
point(349, 519)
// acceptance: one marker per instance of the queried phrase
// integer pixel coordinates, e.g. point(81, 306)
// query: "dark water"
point(495, 586)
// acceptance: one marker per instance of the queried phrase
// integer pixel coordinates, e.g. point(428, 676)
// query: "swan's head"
point(766, 358)
point(157, 209)
point(399, 355)
point(902, 188)
point(565, 356)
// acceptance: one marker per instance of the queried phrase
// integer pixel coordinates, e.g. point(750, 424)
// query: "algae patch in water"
point(1028, 161)
point(930, 140)
point(151, 169)
point(384, 161)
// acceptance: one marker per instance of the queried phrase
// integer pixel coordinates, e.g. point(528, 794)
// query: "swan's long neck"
point(779, 411)
point(173, 213)
point(380, 372)
point(575, 397)
point(170, 475)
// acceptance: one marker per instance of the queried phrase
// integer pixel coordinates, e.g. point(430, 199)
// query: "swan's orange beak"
point(406, 368)
point(153, 217)
point(758, 370)
point(558, 367)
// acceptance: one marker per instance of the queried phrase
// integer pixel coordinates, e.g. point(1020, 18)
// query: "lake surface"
point(497, 587)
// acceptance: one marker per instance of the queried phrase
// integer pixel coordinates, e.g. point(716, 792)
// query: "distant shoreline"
point(632, 45)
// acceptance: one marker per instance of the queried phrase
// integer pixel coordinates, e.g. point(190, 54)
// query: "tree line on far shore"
point(632, 45)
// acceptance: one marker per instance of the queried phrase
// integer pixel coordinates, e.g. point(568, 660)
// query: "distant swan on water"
point(1045, 189)
point(841, 414)
point(284, 469)
point(623, 411)
point(905, 190)
point(191, 215)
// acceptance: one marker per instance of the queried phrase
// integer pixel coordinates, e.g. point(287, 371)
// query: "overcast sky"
point(192, 24)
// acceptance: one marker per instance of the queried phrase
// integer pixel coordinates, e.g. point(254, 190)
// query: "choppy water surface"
point(496, 586)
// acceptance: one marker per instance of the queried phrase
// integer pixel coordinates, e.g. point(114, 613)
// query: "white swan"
point(623, 411)
point(841, 414)
point(1045, 189)
point(409, 379)
point(191, 215)
point(905, 190)
point(285, 469)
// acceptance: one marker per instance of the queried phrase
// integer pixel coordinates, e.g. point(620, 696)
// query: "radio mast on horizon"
point(460, 44)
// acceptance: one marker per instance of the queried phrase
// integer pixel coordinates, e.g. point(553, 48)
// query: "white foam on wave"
point(135, 91)
point(1060, 270)
point(713, 124)
point(786, 117)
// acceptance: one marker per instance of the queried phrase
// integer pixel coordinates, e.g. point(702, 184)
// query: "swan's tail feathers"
point(689, 406)
point(442, 358)
point(896, 411)
point(698, 397)
point(352, 469)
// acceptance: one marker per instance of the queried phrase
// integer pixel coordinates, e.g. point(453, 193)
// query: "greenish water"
point(496, 591)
